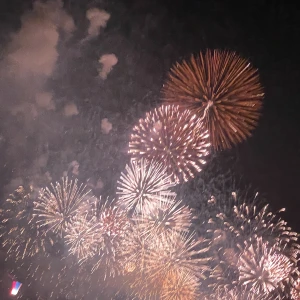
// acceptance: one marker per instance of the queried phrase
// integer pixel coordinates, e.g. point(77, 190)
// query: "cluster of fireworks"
point(147, 238)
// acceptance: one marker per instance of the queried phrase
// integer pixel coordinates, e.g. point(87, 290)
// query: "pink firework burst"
point(262, 267)
point(172, 137)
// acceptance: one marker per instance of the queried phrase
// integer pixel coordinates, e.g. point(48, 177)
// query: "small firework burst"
point(262, 268)
point(113, 224)
point(82, 235)
point(180, 286)
point(22, 237)
point(57, 205)
point(223, 89)
point(164, 216)
point(142, 183)
point(172, 137)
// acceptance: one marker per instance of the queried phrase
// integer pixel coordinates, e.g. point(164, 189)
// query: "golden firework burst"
point(223, 89)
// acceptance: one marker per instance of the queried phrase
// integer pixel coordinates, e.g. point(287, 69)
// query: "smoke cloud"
point(98, 19)
point(107, 61)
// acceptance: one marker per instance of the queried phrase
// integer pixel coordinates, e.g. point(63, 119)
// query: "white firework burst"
point(262, 268)
point(58, 204)
point(142, 183)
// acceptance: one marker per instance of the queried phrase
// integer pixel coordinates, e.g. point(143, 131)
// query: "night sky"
point(147, 37)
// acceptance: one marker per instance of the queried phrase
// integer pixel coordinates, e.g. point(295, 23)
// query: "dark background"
point(148, 37)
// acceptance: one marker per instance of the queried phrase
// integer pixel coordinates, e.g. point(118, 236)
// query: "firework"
point(163, 216)
point(247, 220)
point(22, 237)
point(179, 252)
point(142, 183)
point(262, 268)
point(223, 89)
point(174, 138)
point(134, 248)
point(236, 221)
point(57, 205)
point(82, 235)
point(113, 224)
point(295, 290)
point(238, 293)
point(180, 286)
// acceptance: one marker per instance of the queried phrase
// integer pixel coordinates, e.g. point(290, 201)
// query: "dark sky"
point(148, 37)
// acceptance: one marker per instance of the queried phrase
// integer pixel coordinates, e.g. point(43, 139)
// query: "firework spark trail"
point(56, 206)
point(172, 137)
point(262, 268)
point(164, 216)
point(223, 89)
point(142, 183)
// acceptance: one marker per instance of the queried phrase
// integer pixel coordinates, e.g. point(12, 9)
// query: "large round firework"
point(223, 89)
point(262, 268)
point(164, 216)
point(113, 224)
point(172, 137)
point(20, 233)
point(58, 204)
point(142, 183)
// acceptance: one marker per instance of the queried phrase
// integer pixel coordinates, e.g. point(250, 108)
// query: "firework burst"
point(262, 268)
point(173, 138)
point(180, 286)
point(142, 183)
point(177, 252)
point(223, 89)
point(22, 237)
point(113, 224)
point(57, 205)
point(164, 216)
point(82, 235)
point(247, 220)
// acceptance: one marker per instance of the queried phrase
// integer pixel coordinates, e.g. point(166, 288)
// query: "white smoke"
point(98, 19)
point(106, 126)
point(70, 110)
point(107, 61)
point(31, 55)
